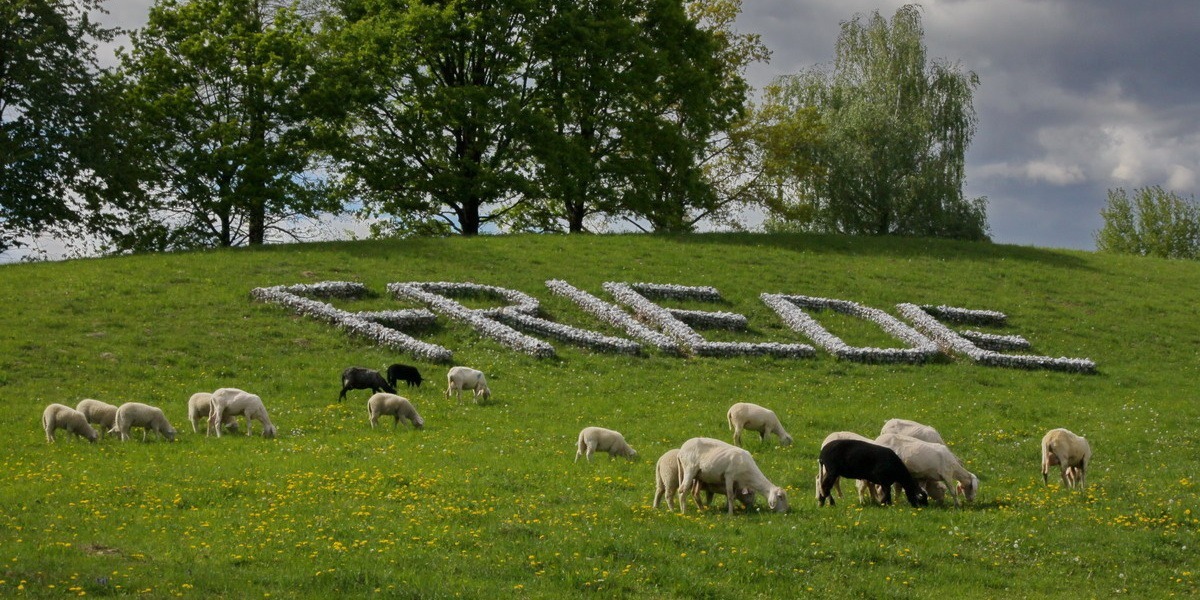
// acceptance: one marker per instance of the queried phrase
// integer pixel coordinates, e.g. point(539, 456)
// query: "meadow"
point(487, 499)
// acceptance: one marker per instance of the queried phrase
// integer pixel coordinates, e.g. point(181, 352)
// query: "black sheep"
point(405, 373)
point(360, 378)
point(856, 459)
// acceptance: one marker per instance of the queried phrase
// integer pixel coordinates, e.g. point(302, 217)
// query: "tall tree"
point(217, 87)
point(1154, 222)
point(51, 99)
point(894, 129)
point(427, 108)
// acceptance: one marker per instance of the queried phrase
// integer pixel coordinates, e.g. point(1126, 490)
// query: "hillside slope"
point(487, 497)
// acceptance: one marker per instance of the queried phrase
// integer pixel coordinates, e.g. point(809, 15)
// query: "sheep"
point(753, 417)
point(712, 461)
point(666, 483)
point(361, 378)
point(231, 402)
point(465, 378)
point(405, 373)
point(912, 429)
point(862, 486)
point(61, 416)
point(877, 464)
point(1071, 452)
point(149, 418)
point(390, 404)
point(930, 464)
point(100, 413)
point(200, 407)
point(599, 439)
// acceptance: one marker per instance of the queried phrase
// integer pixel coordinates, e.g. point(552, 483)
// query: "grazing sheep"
point(149, 418)
point(232, 402)
point(931, 463)
point(361, 378)
point(666, 483)
point(100, 413)
point(856, 459)
point(465, 378)
point(61, 416)
point(599, 439)
point(404, 373)
point(912, 429)
point(390, 404)
point(862, 486)
point(711, 461)
point(744, 415)
point(1071, 452)
point(200, 407)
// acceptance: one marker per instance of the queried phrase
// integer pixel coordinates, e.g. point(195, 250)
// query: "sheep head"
point(777, 500)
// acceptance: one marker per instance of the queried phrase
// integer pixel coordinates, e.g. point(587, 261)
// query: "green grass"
point(486, 500)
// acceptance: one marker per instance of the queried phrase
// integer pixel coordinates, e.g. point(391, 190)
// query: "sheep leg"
point(687, 480)
point(829, 478)
point(737, 435)
point(729, 493)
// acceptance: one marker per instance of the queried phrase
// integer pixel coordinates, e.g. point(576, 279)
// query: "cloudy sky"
point(1075, 96)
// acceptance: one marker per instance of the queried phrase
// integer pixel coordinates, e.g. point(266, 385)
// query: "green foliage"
point(885, 154)
point(52, 104)
point(215, 88)
point(486, 498)
point(1154, 222)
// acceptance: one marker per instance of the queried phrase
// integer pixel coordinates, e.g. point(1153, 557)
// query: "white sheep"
point(666, 482)
point(744, 415)
point(100, 413)
point(931, 463)
point(399, 407)
point(61, 416)
point(466, 378)
point(200, 407)
point(599, 439)
point(912, 429)
point(1071, 452)
point(712, 461)
point(232, 402)
point(149, 418)
point(861, 484)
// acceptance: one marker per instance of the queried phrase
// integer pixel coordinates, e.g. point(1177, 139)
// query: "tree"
point(51, 99)
point(217, 89)
point(893, 129)
point(1154, 222)
point(427, 109)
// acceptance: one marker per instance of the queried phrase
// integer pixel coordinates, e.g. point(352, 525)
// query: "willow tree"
point(1154, 222)
point(893, 132)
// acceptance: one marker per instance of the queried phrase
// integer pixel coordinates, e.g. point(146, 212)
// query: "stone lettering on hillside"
point(671, 331)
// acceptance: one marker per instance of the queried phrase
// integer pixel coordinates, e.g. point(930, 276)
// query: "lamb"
point(409, 375)
point(465, 378)
point(232, 402)
point(666, 483)
point(61, 416)
point(877, 464)
point(745, 415)
point(390, 404)
point(361, 378)
point(912, 429)
point(149, 418)
point(200, 407)
point(931, 463)
point(1071, 452)
point(711, 461)
point(862, 485)
point(599, 439)
point(100, 413)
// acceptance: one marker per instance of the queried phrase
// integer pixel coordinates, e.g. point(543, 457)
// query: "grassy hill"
point(487, 498)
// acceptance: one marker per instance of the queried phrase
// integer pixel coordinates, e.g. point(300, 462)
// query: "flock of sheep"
point(220, 407)
point(907, 455)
